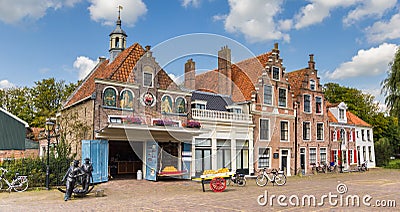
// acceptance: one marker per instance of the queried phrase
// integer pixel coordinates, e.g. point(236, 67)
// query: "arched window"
point(126, 99)
point(117, 42)
point(110, 97)
point(180, 105)
point(166, 104)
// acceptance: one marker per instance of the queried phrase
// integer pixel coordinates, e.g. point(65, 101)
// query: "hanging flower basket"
point(193, 124)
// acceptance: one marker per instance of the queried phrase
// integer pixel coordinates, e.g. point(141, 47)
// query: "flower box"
point(131, 120)
point(160, 122)
point(193, 124)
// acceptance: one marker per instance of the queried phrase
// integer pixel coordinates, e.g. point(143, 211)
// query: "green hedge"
point(35, 168)
point(393, 164)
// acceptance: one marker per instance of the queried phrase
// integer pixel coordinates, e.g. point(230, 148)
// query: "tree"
point(359, 103)
point(391, 87)
point(48, 96)
point(18, 101)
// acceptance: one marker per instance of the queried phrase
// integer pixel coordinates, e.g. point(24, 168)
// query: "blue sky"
point(352, 40)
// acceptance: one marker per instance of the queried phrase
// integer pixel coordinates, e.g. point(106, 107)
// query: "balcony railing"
point(215, 115)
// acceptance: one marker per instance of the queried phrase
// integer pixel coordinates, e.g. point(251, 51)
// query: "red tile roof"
point(118, 70)
point(295, 79)
point(351, 119)
point(244, 76)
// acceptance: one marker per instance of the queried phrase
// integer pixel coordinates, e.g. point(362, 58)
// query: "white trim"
point(279, 73)
point(326, 155)
point(175, 92)
point(15, 117)
point(286, 97)
point(269, 129)
point(114, 83)
point(280, 130)
point(322, 105)
point(304, 108)
point(150, 71)
point(272, 95)
point(116, 91)
point(302, 131)
point(323, 132)
point(270, 156)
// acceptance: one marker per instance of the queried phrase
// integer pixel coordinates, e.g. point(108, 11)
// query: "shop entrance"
point(124, 158)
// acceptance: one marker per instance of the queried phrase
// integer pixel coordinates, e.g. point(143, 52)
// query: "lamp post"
point(340, 149)
point(49, 128)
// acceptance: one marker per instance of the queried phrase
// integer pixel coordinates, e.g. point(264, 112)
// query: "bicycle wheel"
point(1, 185)
point(21, 185)
point(241, 182)
point(261, 180)
point(280, 179)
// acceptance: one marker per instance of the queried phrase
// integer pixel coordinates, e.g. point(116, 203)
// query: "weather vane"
point(119, 10)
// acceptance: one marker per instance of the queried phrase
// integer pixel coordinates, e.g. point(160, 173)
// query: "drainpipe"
point(295, 138)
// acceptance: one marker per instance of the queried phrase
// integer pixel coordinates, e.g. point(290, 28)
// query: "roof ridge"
point(123, 59)
point(83, 81)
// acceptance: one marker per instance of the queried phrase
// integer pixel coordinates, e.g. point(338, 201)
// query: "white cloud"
point(12, 12)
point(187, 3)
point(255, 20)
point(369, 8)
point(384, 30)
point(371, 62)
point(105, 11)
point(6, 84)
point(84, 66)
point(177, 79)
point(318, 10)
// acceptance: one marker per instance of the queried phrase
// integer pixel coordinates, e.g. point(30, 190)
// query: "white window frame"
point(316, 131)
point(269, 157)
point(309, 155)
point(326, 155)
point(286, 99)
point(322, 106)
point(279, 73)
point(304, 104)
point(312, 83)
point(309, 137)
point(288, 131)
point(272, 95)
point(269, 130)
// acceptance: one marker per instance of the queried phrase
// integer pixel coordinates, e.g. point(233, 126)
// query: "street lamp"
point(340, 150)
point(49, 128)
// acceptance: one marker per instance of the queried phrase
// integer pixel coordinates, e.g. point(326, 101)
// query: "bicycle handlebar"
point(3, 169)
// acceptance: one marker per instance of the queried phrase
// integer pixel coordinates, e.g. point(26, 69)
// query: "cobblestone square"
point(170, 195)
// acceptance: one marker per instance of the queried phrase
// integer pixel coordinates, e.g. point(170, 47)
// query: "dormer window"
point(312, 85)
point(199, 104)
point(275, 73)
point(341, 114)
point(234, 109)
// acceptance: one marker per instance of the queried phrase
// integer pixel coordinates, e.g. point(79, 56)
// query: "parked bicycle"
point(238, 179)
point(18, 183)
point(363, 167)
point(331, 167)
point(274, 176)
point(319, 167)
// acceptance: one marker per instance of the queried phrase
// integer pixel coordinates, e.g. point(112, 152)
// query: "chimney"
point(190, 75)
point(148, 52)
point(311, 63)
point(224, 71)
